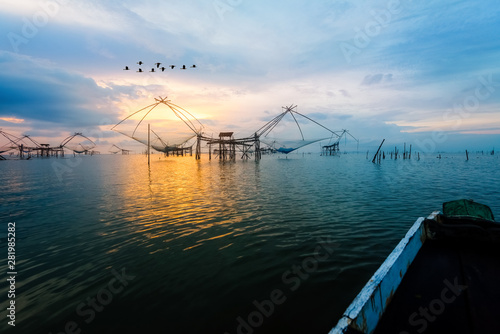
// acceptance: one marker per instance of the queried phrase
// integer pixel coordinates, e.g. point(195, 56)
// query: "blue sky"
point(407, 71)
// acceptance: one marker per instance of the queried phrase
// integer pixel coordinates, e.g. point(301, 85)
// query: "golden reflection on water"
point(178, 201)
point(200, 233)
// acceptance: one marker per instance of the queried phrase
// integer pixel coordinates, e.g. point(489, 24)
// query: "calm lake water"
point(106, 245)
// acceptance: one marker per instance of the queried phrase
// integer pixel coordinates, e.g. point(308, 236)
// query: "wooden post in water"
point(409, 157)
point(149, 145)
point(221, 151)
point(467, 155)
point(257, 146)
point(375, 157)
point(198, 147)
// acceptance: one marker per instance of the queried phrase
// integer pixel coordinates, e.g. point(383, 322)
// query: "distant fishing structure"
point(27, 147)
point(82, 147)
point(24, 146)
point(333, 148)
point(115, 149)
point(289, 145)
point(168, 141)
point(225, 146)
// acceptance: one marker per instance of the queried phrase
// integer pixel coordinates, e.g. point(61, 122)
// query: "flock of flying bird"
point(183, 67)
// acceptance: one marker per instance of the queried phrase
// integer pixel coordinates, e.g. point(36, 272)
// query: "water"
point(106, 245)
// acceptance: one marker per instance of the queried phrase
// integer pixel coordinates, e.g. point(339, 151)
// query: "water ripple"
point(206, 240)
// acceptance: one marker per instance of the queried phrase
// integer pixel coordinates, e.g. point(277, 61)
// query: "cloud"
point(252, 59)
point(318, 116)
point(14, 120)
point(35, 90)
point(376, 79)
point(345, 93)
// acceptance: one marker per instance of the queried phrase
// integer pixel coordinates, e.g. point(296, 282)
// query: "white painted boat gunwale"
point(368, 307)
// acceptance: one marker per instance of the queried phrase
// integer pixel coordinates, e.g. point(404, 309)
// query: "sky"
point(424, 73)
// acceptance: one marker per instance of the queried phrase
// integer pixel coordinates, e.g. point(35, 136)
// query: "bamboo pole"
point(198, 148)
point(149, 145)
point(374, 157)
point(257, 147)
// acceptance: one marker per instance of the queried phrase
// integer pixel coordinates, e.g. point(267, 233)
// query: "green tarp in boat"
point(467, 208)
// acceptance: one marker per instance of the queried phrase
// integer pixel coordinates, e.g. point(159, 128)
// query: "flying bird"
point(140, 70)
point(126, 68)
point(152, 70)
point(140, 62)
point(157, 65)
point(183, 67)
point(194, 66)
point(172, 66)
point(163, 69)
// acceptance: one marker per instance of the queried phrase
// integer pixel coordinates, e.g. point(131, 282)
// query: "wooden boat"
point(442, 277)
